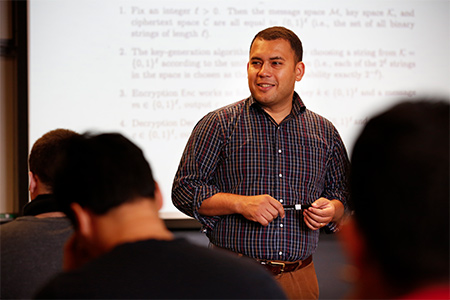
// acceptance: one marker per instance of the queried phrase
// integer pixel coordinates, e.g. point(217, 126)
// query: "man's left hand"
point(321, 212)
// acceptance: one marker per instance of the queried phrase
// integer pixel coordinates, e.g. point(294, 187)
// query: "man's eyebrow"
point(255, 58)
point(271, 58)
point(276, 58)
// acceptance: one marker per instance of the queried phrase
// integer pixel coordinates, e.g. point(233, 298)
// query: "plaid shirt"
point(239, 149)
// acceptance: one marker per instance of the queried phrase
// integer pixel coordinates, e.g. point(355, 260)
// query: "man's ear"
point(299, 71)
point(158, 196)
point(35, 185)
point(33, 182)
point(83, 219)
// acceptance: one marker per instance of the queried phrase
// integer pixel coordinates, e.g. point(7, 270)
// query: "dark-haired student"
point(121, 249)
point(398, 236)
point(245, 161)
point(32, 245)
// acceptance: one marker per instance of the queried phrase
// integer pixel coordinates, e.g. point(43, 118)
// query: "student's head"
point(42, 156)
point(400, 192)
point(101, 172)
point(275, 33)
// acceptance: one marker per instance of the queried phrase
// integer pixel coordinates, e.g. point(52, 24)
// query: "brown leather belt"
point(273, 266)
point(278, 267)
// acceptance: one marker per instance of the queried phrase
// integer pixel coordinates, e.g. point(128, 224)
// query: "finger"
point(263, 217)
point(280, 209)
point(276, 211)
point(310, 225)
point(315, 221)
point(320, 212)
point(270, 214)
point(320, 203)
point(262, 220)
point(313, 215)
point(276, 208)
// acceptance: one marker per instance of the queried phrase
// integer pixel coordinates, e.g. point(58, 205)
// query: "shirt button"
point(281, 200)
point(281, 225)
point(280, 175)
point(279, 151)
point(280, 253)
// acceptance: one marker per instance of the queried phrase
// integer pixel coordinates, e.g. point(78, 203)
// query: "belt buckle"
point(275, 263)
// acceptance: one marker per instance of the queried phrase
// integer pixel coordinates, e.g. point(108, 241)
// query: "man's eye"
point(256, 63)
point(276, 63)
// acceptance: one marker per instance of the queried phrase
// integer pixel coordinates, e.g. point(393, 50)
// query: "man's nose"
point(265, 70)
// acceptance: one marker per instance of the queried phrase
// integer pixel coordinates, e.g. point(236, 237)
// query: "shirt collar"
point(298, 107)
point(41, 204)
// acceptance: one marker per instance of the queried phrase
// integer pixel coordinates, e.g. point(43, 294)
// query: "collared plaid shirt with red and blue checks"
point(240, 149)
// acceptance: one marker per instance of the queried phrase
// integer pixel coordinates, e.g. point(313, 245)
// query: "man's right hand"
point(261, 208)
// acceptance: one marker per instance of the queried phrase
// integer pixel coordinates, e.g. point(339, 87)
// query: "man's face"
point(272, 72)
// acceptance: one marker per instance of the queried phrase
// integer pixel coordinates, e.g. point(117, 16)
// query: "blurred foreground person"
point(121, 249)
point(398, 237)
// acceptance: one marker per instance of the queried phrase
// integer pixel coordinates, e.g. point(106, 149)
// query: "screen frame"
point(20, 28)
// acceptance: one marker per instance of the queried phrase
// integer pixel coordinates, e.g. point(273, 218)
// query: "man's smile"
point(265, 85)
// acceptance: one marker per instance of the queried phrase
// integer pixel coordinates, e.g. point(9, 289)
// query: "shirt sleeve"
point(337, 176)
point(194, 180)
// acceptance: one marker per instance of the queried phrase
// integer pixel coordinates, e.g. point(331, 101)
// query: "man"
point(398, 237)
point(244, 162)
point(121, 249)
point(32, 245)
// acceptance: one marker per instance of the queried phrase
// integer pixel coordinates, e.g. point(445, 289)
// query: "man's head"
point(274, 67)
point(400, 192)
point(275, 33)
point(42, 161)
point(102, 172)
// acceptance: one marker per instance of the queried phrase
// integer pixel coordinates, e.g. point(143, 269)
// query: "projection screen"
point(152, 69)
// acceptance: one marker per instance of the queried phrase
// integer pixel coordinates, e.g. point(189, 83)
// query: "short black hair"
point(278, 32)
point(42, 156)
point(101, 172)
point(400, 191)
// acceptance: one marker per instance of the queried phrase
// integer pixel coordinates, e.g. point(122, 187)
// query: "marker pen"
point(296, 206)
